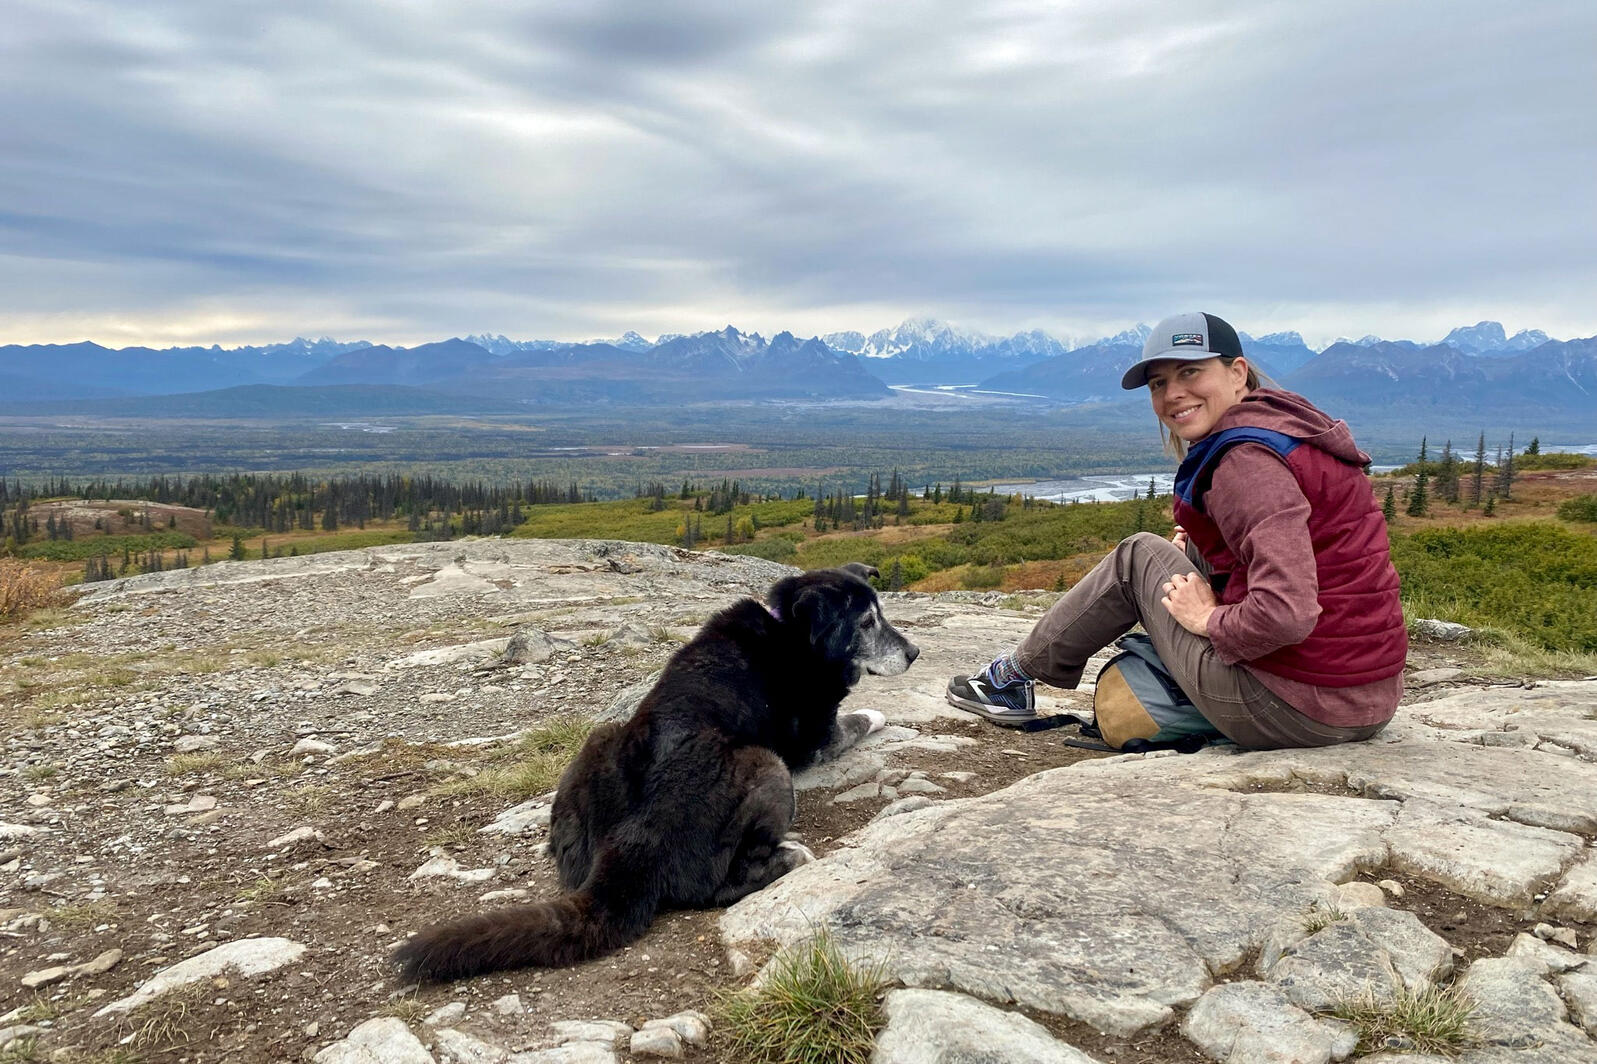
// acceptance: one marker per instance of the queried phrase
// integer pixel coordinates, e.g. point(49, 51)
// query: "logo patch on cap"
point(1187, 340)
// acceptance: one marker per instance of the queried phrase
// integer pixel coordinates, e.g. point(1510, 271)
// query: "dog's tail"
point(607, 913)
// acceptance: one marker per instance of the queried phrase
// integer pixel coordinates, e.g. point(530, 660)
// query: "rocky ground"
point(227, 793)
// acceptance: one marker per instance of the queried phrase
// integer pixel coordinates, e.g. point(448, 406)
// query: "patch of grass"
point(43, 1008)
point(263, 889)
point(1432, 1020)
point(115, 1055)
point(23, 1050)
point(312, 798)
point(41, 772)
point(409, 1009)
point(266, 659)
point(202, 664)
point(396, 755)
point(1506, 655)
point(532, 766)
point(456, 837)
point(83, 914)
point(166, 1022)
point(55, 617)
point(813, 1008)
point(597, 639)
point(186, 764)
point(661, 634)
point(1319, 917)
point(37, 717)
point(115, 676)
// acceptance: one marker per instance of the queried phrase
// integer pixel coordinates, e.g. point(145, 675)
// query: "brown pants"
point(1123, 590)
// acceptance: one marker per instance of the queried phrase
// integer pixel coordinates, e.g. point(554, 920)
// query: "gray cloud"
point(405, 172)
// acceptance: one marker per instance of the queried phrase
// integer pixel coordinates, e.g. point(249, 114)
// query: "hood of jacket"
point(1292, 415)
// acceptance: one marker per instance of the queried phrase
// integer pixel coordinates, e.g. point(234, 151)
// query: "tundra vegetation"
point(1504, 543)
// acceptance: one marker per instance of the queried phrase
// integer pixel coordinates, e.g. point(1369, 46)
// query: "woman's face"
point(1189, 397)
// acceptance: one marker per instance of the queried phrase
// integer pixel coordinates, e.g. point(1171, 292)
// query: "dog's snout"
point(911, 651)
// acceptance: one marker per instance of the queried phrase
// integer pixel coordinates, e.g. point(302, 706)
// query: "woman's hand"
point(1179, 538)
point(1190, 600)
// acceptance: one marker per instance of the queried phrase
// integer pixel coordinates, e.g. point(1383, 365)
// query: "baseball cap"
point(1185, 338)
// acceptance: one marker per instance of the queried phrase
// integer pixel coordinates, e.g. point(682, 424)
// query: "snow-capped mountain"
point(1476, 367)
point(1138, 334)
point(1489, 338)
point(928, 351)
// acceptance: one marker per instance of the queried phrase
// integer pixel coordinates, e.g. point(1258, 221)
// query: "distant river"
point(1118, 487)
point(1111, 487)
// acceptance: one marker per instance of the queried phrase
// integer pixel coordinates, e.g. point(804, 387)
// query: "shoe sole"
point(1007, 720)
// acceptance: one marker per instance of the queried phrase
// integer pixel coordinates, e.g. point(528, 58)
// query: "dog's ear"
point(821, 613)
point(861, 570)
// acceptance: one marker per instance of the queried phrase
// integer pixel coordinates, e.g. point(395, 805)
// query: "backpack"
point(1138, 706)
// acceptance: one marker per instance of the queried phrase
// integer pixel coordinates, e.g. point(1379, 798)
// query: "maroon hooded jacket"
point(1359, 636)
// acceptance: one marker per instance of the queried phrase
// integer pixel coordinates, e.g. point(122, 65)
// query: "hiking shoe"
point(1010, 706)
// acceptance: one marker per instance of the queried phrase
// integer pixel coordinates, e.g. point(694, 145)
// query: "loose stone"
point(656, 1042)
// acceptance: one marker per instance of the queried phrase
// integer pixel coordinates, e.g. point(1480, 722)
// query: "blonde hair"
point(1177, 447)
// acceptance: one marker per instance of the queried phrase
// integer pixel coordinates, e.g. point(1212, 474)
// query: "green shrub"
point(76, 550)
point(911, 567)
point(1534, 579)
point(775, 549)
point(1553, 460)
point(981, 577)
point(1580, 508)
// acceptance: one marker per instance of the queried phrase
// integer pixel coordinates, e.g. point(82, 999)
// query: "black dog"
point(688, 804)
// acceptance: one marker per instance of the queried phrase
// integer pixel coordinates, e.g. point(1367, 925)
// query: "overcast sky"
point(199, 172)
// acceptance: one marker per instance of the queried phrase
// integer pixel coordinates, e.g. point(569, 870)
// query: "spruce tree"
point(1389, 507)
point(1478, 483)
point(1505, 471)
point(1419, 498)
point(1446, 487)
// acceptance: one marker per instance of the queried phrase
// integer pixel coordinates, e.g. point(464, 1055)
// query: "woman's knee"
point(1146, 541)
point(1137, 550)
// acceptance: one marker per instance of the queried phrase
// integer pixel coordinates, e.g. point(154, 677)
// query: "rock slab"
point(936, 1027)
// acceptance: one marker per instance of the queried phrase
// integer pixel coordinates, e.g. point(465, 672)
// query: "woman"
point(1275, 605)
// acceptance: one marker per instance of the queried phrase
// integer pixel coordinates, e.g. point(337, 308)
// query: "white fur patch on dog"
point(877, 718)
point(804, 852)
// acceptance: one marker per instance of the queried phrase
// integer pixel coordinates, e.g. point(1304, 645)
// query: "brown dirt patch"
point(1480, 930)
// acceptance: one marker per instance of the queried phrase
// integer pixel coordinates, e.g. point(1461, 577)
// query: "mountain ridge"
point(1475, 366)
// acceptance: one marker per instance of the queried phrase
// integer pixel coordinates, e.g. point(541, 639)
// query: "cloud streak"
point(412, 171)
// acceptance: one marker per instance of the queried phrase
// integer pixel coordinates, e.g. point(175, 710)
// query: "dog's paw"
point(877, 718)
point(798, 853)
